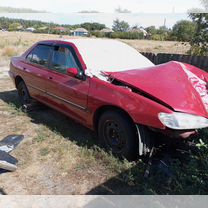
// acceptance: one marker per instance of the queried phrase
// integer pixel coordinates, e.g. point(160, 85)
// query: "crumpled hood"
point(169, 83)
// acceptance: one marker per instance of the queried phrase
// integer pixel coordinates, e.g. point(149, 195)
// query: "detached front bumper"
point(183, 134)
point(177, 134)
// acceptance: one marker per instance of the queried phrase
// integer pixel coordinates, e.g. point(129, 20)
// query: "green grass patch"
point(15, 109)
point(44, 151)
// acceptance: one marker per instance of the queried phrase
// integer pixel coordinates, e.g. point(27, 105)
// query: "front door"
point(66, 93)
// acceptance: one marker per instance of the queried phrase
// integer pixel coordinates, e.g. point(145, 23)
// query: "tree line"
point(181, 31)
point(11, 24)
point(194, 31)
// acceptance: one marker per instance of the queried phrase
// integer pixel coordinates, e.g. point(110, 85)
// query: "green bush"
point(127, 35)
point(99, 34)
point(119, 35)
point(183, 30)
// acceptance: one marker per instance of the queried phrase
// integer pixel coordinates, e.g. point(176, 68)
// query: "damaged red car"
point(112, 89)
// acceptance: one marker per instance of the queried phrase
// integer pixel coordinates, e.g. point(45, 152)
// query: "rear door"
point(66, 93)
point(35, 67)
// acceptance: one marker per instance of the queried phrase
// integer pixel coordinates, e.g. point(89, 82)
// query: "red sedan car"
point(111, 88)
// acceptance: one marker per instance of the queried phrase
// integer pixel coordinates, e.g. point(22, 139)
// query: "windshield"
point(103, 55)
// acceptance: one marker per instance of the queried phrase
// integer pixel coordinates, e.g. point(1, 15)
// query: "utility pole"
point(164, 23)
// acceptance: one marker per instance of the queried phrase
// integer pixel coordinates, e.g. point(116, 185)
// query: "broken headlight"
point(182, 121)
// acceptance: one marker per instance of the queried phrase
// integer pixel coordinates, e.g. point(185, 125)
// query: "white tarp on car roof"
point(109, 55)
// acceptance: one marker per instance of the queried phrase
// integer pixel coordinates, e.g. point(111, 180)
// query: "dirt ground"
point(57, 155)
point(49, 162)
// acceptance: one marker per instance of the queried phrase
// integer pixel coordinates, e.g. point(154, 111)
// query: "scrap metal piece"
point(10, 142)
point(7, 162)
point(7, 148)
point(7, 166)
point(149, 164)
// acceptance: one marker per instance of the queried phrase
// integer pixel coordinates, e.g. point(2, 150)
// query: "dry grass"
point(15, 43)
point(53, 158)
point(159, 46)
point(9, 52)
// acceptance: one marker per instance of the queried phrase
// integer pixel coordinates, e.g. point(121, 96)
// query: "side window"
point(62, 58)
point(40, 55)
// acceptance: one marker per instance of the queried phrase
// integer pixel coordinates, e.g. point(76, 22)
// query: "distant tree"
point(93, 26)
point(162, 33)
point(151, 30)
point(15, 26)
point(163, 30)
point(120, 26)
point(183, 30)
point(8, 22)
point(199, 43)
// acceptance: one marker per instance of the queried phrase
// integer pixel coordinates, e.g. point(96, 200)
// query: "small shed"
point(139, 30)
point(106, 30)
point(80, 32)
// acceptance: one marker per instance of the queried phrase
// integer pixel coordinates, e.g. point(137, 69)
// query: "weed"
point(9, 52)
point(44, 151)
point(41, 135)
point(40, 138)
point(15, 109)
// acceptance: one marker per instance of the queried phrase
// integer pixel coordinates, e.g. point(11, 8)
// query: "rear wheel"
point(117, 134)
point(23, 93)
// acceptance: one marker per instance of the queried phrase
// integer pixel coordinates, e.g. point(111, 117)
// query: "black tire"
point(117, 134)
point(23, 93)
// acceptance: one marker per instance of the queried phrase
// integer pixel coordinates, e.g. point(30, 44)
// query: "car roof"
point(79, 41)
point(106, 54)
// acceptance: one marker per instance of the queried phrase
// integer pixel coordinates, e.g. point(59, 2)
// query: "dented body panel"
point(168, 83)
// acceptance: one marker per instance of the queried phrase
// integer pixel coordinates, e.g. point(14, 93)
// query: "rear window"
point(40, 55)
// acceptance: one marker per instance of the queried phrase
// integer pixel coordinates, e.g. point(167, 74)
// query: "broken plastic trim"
point(144, 142)
point(8, 162)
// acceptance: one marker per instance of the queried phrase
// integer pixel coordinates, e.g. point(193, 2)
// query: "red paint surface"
point(167, 84)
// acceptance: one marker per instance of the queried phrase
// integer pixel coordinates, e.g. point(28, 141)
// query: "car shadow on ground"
point(55, 121)
point(160, 179)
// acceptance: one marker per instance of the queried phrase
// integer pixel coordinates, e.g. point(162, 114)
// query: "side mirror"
point(72, 72)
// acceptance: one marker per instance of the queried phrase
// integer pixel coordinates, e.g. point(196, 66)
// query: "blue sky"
point(141, 6)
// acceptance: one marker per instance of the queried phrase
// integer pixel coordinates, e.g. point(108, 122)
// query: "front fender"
point(142, 110)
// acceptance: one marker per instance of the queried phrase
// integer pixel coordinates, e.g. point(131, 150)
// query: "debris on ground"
point(9, 143)
point(160, 159)
point(34, 105)
point(7, 162)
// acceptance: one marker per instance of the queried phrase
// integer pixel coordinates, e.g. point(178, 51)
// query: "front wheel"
point(117, 134)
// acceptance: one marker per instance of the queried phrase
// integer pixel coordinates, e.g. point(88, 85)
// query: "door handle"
point(25, 69)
